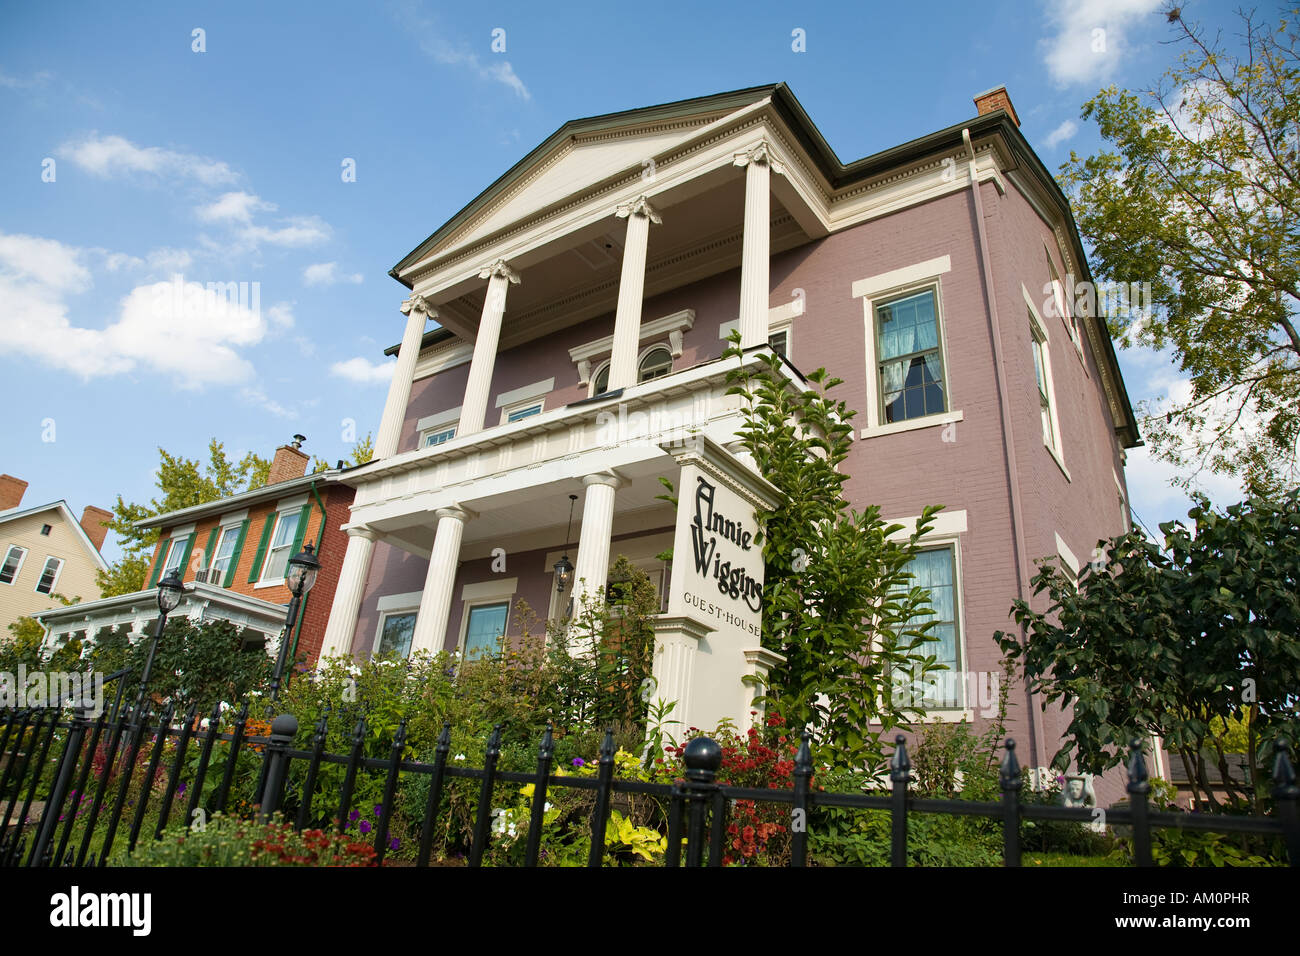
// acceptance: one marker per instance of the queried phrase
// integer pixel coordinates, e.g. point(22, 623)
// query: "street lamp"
point(170, 590)
point(303, 568)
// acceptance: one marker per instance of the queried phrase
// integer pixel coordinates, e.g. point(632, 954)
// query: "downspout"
point(302, 608)
point(1008, 435)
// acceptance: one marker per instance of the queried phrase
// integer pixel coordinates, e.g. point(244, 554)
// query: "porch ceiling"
point(576, 276)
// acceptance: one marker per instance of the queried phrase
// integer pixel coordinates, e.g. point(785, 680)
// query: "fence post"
point(537, 819)
point(53, 806)
point(803, 771)
point(435, 794)
point(899, 767)
point(313, 769)
point(1138, 788)
point(703, 758)
point(480, 838)
point(600, 814)
point(390, 792)
point(1285, 793)
point(283, 729)
point(1010, 782)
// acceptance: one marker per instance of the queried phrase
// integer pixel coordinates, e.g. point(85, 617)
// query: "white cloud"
point(361, 371)
point(434, 44)
point(189, 331)
point(1061, 134)
point(1090, 37)
point(17, 83)
point(234, 207)
point(326, 273)
point(168, 260)
point(108, 156)
point(281, 315)
point(256, 396)
point(297, 231)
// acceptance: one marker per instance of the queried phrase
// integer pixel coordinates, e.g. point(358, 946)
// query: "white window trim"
point(887, 285)
point(289, 506)
point(526, 394)
point(501, 591)
point(228, 527)
point(508, 410)
point(174, 543)
point(780, 318)
point(1056, 448)
point(392, 605)
point(437, 422)
point(57, 573)
point(22, 557)
point(438, 430)
point(591, 385)
point(1071, 320)
point(673, 326)
point(1068, 557)
point(1126, 510)
point(946, 530)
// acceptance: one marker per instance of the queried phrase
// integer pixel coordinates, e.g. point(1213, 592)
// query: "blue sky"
point(225, 166)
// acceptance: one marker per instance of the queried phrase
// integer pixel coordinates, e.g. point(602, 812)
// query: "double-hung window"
point(281, 547)
point(224, 553)
point(1044, 389)
point(13, 563)
point(49, 576)
point(175, 552)
point(934, 569)
point(909, 359)
point(438, 436)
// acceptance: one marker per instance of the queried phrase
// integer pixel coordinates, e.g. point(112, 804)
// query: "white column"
point(418, 312)
point(473, 410)
point(591, 569)
point(435, 602)
point(758, 164)
point(631, 290)
point(347, 595)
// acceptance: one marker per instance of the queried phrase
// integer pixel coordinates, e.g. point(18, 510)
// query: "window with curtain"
point(225, 551)
point(13, 561)
point(909, 359)
point(935, 570)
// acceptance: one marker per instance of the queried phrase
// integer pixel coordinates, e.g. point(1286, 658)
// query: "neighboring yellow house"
point(44, 551)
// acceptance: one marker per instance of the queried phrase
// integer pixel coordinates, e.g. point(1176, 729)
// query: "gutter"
point(1008, 433)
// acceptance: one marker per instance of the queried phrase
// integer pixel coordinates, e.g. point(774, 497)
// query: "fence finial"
point(1137, 768)
point(703, 758)
point(899, 764)
point(1009, 771)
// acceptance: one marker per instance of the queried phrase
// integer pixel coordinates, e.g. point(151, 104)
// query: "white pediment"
point(575, 165)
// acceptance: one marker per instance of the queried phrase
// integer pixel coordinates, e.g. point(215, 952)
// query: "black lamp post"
point(170, 590)
point(303, 568)
point(564, 567)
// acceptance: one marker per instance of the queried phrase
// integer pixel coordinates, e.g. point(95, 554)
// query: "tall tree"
point(362, 452)
point(184, 483)
point(1196, 642)
point(839, 601)
point(1200, 197)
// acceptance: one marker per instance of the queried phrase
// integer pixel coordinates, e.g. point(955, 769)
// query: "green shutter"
point(256, 569)
point(208, 549)
point(234, 557)
point(302, 529)
point(185, 558)
point(162, 556)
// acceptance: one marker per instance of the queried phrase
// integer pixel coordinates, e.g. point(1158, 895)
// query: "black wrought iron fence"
point(49, 818)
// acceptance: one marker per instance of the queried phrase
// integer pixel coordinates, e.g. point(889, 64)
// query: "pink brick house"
point(581, 306)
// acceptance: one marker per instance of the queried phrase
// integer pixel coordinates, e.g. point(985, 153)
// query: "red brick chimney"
point(290, 461)
point(996, 99)
point(94, 521)
point(11, 492)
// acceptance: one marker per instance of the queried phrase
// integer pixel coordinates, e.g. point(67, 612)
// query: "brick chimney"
point(11, 492)
point(996, 99)
point(290, 461)
point(94, 521)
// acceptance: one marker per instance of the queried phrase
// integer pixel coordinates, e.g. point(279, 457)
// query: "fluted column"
point(348, 593)
point(473, 410)
point(418, 313)
point(756, 254)
point(591, 569)
point(435, 601)
point(631, 290)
